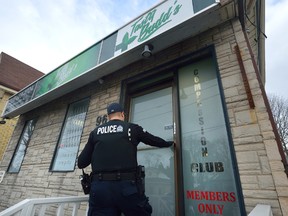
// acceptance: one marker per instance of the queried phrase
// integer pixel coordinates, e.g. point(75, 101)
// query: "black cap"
point(113, 108)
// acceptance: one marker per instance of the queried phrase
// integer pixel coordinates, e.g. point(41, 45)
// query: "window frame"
point(55, 154)
point(19, 144)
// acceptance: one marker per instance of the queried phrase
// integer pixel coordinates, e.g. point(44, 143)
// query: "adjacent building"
point(14, 76)
point(187, 70)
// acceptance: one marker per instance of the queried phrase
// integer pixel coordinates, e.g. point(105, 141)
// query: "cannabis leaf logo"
point(125, 42)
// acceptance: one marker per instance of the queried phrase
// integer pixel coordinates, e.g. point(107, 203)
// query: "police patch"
point(119, 128)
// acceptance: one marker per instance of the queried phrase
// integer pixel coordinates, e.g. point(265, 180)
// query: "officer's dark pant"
point(111, 198)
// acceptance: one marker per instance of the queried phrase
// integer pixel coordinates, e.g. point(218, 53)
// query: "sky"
point(45, 34)
point(277, 47)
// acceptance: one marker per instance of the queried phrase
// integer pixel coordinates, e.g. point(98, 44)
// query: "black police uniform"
point(112, 152)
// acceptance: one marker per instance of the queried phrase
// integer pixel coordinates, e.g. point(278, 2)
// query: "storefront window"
point(19, 154)
point(209, 178)
point(68, 144)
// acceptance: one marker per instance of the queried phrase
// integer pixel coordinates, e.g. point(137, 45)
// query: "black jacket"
point(113, 146)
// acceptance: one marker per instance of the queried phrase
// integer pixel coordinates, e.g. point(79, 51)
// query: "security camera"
point(147, 52)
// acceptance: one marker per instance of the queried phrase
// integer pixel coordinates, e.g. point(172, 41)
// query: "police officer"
point(112, 152)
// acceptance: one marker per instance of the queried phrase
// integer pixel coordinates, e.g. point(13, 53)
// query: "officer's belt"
point(117, 176)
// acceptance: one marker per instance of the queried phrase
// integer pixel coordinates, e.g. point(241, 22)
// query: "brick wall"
point(7, 128)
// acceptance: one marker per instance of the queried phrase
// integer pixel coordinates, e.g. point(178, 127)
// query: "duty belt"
point(116, 176)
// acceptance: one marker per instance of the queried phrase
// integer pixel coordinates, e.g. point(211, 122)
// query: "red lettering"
point(204, 195)
point(197, 195)
point(211, 195)
point(190, 194)
point(218, 196)
point(210, 208)
point(225, 196)
point(201, 208)
point(220, 207)
point(233, 198)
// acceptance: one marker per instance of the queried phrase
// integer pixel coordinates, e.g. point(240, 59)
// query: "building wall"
point(14, 75)
point(261, 171)
point(7, 128)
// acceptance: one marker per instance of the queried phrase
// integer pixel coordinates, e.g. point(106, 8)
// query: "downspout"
point(241, 13)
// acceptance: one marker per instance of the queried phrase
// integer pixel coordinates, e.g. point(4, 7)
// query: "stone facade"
point(261, 171)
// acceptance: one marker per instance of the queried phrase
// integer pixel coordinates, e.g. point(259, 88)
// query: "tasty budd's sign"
point(154, 22)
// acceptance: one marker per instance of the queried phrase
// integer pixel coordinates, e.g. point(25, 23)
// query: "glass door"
point(154, 112)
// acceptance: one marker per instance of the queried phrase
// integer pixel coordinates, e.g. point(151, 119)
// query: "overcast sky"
point(45, 34)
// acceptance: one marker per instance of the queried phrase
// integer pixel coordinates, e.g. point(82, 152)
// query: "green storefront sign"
point(156, 21)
